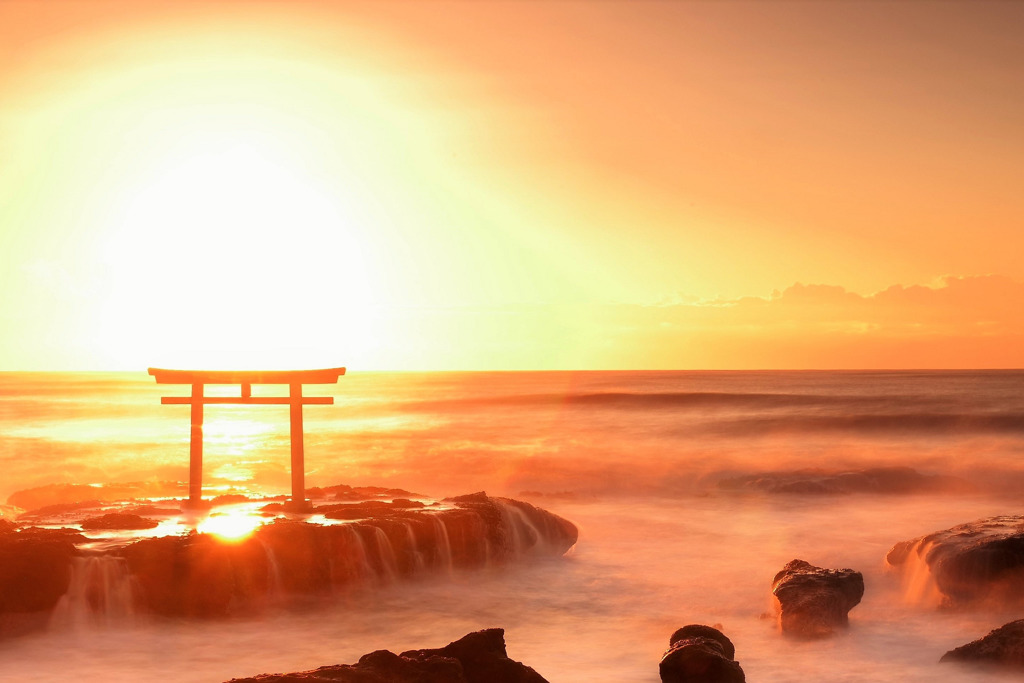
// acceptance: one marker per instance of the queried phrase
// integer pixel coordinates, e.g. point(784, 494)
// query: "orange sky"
point(510, 185)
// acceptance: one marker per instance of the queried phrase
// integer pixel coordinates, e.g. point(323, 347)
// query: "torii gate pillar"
point(246, 378)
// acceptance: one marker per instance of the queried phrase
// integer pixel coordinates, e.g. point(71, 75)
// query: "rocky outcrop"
point(119, 520)
point(202, 575)
point(478, 657)
point(813, 601)
point(889, 480)
point(197, 575)
point(970, 563)
point(1002, 647)
point(35, 571)
point(700, 654)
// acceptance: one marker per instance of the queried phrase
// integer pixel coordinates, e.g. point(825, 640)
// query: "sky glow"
point(511, 185)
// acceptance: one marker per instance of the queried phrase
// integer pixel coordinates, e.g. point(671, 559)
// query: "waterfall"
point(275, 585)
point(100, 593)
point(524, 534)
point(418, 561)
point(388, 563)
point(919, 586)
point(444, 544)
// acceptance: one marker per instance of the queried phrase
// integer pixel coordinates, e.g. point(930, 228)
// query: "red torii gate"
point(246, 378)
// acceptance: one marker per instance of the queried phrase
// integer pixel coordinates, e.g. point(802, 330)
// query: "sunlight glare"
point(231, 527)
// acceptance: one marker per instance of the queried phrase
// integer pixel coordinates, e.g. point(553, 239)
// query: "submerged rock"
point(478, 657)
point(974, 562)
point(700, 654)
point(815, 601)
point(119, 520)
point(1003, 646)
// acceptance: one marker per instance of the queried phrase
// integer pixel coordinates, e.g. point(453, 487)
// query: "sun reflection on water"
point(231, 527)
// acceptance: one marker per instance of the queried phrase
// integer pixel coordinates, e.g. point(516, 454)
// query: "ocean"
point(690, 489)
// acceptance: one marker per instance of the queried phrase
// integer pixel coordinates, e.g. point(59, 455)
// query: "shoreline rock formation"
point(1003, 647)
point(199, 575)
point(813, 601)
point(971, 563)
point(478, 657)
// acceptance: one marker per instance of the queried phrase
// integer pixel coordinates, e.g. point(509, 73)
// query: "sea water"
point(634, 459)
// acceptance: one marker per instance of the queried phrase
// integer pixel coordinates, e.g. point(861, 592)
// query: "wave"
point(667, 399)
point(910, 422)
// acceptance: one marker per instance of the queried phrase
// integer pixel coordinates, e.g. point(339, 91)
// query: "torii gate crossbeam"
point(246, 378)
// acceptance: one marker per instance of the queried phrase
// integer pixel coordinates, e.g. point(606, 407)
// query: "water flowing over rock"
point(201, 575)
point(700, 654)
point(980, 561)
point(478, 657)
point(815, 601)
point(1003, 646)
point(35, 571)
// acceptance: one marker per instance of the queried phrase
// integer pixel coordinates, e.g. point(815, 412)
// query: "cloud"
point(968, 321)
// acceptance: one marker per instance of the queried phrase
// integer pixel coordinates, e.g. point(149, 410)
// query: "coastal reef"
point(334, 548)
point(1002, 647)
point(977, 562)
point(479, 657)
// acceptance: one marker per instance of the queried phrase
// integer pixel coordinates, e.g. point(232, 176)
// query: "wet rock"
point(35, 571)
point(891, 480)
point(700, 654)
point(980, 561)
point(199, 575)
point(1002, 647)
point(815, 601)
point(478, 657)
point(119, 520)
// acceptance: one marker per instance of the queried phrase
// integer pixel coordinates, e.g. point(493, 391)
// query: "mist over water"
point(634, 459)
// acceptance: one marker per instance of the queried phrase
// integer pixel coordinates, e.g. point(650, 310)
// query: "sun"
point(221, 254)
point(231, 527)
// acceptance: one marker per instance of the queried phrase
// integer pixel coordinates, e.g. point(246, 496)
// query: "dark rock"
point(700, 654)
point(119, 520)
point(980, 561)
point(1003, 647)
point(35, 571)
point(814, 601)
point(889, 480)
point(478, 657)
point(691, 630)
point(199, 575)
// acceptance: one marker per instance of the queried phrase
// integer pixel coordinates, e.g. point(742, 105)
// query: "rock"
point(119, 520)
point(198, 575)
point(35, 571)
point(478, 657)
point(1002, 647)
point(700, 654)
point(980, 561)
point(814, 601)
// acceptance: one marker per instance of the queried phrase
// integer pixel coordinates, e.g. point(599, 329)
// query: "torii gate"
point(246, 378)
